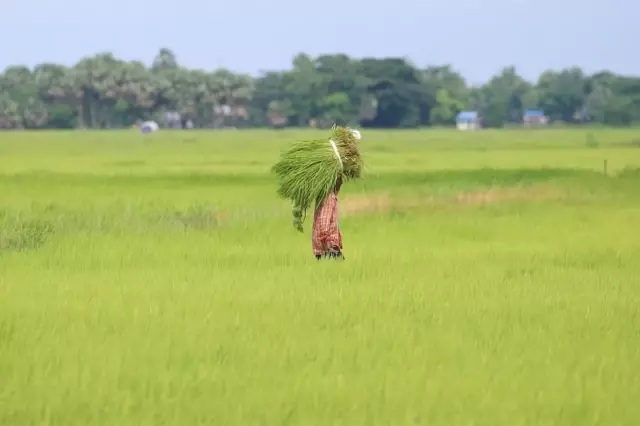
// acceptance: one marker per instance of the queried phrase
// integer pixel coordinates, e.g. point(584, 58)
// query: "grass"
point(491, 279)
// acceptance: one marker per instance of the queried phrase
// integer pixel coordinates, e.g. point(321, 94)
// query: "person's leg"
point(327, 238)
point(321, 228)
point(334, 237)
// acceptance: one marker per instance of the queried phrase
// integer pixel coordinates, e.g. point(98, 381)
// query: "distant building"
point(468, 120)
point(534, 117)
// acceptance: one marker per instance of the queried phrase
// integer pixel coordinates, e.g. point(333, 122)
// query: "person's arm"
point(338, 184)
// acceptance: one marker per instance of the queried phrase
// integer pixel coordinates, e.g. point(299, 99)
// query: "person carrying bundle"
point(312, 172)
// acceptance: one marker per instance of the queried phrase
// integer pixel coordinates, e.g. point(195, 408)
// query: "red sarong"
point(326, 234)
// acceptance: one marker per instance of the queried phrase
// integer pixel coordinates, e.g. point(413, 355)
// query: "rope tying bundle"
point(335, 150)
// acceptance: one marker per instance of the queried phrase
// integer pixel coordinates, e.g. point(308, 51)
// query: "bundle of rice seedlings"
point(346, 142)
point(309, 170)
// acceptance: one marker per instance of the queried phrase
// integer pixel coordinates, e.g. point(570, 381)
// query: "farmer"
point(326, 237)
point(312, 172)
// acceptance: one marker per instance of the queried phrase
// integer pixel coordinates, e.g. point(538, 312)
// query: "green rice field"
point(491, 278)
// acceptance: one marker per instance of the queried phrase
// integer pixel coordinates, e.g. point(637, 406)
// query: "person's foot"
point(331, 254)
point(336, 254)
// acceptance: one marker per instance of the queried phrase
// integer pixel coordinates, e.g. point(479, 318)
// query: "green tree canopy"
point(103, 91)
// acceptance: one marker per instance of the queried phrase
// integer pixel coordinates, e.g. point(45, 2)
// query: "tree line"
point(103, 91)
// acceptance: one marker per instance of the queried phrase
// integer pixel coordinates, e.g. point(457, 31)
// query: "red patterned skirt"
point(326, 234)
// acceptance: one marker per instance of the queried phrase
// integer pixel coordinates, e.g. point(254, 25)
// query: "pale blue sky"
point(477, 37)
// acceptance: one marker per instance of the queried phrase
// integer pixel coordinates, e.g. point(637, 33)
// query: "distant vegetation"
point(105, 92)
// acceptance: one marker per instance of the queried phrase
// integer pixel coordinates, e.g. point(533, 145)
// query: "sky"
point(476, 37)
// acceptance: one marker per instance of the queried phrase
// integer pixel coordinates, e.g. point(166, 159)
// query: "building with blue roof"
point(468, 120)
point(534, 117)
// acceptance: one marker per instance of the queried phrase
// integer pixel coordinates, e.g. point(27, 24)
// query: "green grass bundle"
point(309, 170)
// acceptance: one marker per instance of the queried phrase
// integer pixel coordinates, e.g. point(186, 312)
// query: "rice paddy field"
point(491, 278)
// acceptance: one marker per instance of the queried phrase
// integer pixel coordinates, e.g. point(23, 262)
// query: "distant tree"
point(563, 93)
point(102, 91)
point(164, 60)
